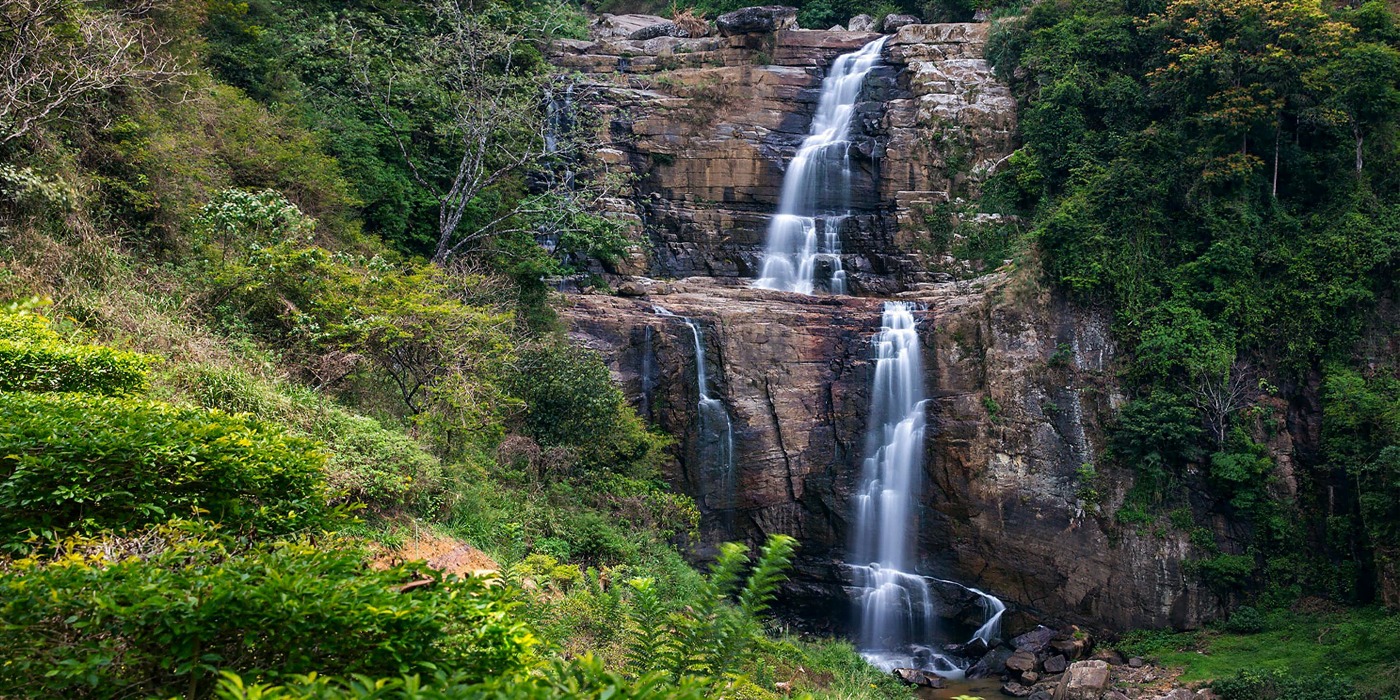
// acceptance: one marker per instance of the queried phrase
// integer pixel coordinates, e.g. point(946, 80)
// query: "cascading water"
point(716, 430)
point(805, 233)
point(895, 602)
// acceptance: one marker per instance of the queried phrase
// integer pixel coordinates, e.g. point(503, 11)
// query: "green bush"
point(1245, 620)
point(571, 400)
point(165, 611)
point(1276, 685)
point(584, 679)
point(35, 358)
point(73, 463)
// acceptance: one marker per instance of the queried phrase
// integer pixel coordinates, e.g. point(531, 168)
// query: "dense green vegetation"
point(1222, 176)
point(265, 345)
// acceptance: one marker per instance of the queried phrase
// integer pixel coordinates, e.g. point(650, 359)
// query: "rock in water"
point(917, 678)
point(862, 23)
point(1085, 680)
point(992, 664)
point(757, 20)
point(892, 23)
point(1016, 690)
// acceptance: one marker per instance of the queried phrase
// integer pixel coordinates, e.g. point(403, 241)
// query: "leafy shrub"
point(35, 358)
point(584, 679)
point(1245, 620)
point(164, 612)
point(1276, 685)
point(73, 463)
point(1156, 435)
point(571, 400)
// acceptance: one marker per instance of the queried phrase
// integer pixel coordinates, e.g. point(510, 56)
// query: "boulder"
point(1021, 662)
point(1114, 695)
point(1109, 656)
point(1056, 664)
point(1135, 662)
point(1206, 694)
point(1035, 641)
point(1071, 649)
point(1030, 677)
point(836, 28)
point(757, 20)
point(1179, 694)
point(861, 23)
point(1085, 680)
point(1016, 690)
point(1042, 695)
point(639, 27)
point(917, 678)
point(892, 23)
point(993, 663)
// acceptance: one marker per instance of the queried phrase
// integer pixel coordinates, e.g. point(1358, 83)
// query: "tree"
point(1359, 85)
point(56, 55)
point(495, 150)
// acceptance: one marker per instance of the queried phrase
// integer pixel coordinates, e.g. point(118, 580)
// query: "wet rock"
point(1056, 664)
point(993, 663)
point(1030, 677)
point(1016, 690)
point(757, 20)
point(1021, 661)
point(862, 23)
point(1085, 680)
point(1036, 640)
point(917, 678)
point(893, 23)
point(976, 647)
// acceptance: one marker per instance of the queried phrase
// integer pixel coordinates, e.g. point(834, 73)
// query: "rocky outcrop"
point(1020, 385)
point(707, 125)
point(757, 20)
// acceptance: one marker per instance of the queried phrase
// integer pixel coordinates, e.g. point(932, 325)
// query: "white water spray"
point(716, 430)
point(805, 233)
point(896, 604)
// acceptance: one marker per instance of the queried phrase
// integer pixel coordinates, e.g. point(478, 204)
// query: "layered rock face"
point(1020, 384)
point(708, 124)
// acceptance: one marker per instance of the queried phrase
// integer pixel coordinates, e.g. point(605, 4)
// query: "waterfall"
point(895, 602)
point(716, 447)
point(805, 233)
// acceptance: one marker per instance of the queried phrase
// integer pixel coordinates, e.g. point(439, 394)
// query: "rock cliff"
point(1020, 384)
point(706, 125)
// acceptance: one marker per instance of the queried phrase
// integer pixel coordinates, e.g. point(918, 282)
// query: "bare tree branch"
point(56, 55)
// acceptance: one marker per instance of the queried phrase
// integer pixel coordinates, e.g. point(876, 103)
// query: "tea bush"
point(164, 612)
point(35, 358)
point(74, 463)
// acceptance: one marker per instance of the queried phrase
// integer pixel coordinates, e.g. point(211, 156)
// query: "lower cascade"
point(716, 434)
point(805, 233)
point(897, 621)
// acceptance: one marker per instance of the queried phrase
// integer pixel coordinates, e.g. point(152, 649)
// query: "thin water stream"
point(716, 445)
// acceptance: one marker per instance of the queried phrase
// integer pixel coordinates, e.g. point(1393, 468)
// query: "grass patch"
point(1361, 644)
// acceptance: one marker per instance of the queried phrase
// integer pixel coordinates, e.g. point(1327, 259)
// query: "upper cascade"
point(804, 243)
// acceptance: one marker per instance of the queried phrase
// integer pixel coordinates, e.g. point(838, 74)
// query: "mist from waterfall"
point(895, 602)
point(716, 434)
point(805, 233)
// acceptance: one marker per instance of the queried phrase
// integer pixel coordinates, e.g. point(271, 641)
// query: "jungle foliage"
point(1222, 175)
